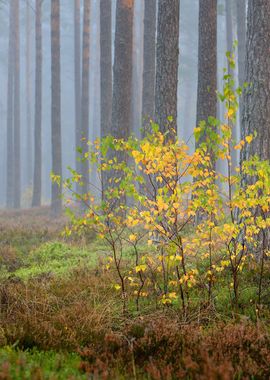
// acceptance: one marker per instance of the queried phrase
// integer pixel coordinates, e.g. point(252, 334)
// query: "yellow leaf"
point(238, 147)
point(132, 237)
point(140, 268)
point(230, 113)
point(249, 139)
point(172, 295)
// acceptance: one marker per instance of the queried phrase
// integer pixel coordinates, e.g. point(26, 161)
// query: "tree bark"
point(207, 64)
point(17, 109)
point(122, 70)
point(85, 94)
point(256, 100)
point(149, 62)
point(105, 66)
point(56, 192)
point(229, 37)
point(256, 110)
point(241, 37)
point(10, 111)
point(28, 80)
point(77, 78)
point(137, 68)
point(36, 201)
point(105, 76)
point(167, 55)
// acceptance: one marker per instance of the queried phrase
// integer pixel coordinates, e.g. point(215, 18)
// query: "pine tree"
point(85, 94)
point(36, 201)
point(256, 110)
point(10, 111)
point(28, 80)
point(122, 71)
point(56, 201)
point(77, 78)
point(167, 56)
point(149, 61)
point(207, 65)
point(17, 108)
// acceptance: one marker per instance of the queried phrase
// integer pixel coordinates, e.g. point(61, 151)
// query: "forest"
point(135, 189)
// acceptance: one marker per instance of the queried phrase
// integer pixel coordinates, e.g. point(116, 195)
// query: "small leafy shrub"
point(200, 235)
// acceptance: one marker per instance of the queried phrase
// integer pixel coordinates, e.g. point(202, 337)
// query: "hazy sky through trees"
point(187, 80)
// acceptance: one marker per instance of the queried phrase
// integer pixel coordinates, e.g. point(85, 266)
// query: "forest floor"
point(61, 318)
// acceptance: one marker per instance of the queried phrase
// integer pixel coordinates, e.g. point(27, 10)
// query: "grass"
point(32, 244)
point(56, 259)
point(34, 364)
point(61, 318)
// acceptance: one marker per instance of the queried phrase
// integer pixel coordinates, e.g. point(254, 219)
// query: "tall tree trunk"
point(77, 77)
point(149, 61)
point(28, 80)
point(241, 37)
point(256, 110)
point(10, 111)
point(36, 201)
point(167, 65)
point(229, 26)
point(122, 70)
point(137, 67)
point(56, 202)
point(207, 65)
point(105, 67)
point(122, 81)
point(85, 93)
point(105, 75)
point(256, 100)
point(229, 37)
point(17, 109)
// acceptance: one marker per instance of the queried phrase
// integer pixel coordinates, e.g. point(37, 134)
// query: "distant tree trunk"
point(167, 65)
point(229, 25)
point(149, 61)
point(105, 66)
point(28, 80)
point(36, 201)
point(256, 110)
point(207, 65)
point(137, 68)
point(10, 111)
point(85, 93)
point(17, 109)
point(229, 37)
point(122, 80)
point(122, 70)
point(56, 201)
point(77, 77)
point(105, 75)
point(241, 37)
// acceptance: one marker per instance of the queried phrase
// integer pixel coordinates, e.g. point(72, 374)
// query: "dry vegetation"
point(80, 313)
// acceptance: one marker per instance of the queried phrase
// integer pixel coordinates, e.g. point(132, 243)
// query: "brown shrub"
point(163, 349)
point(9, 258)
point(31, 220)
point(57, 313)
